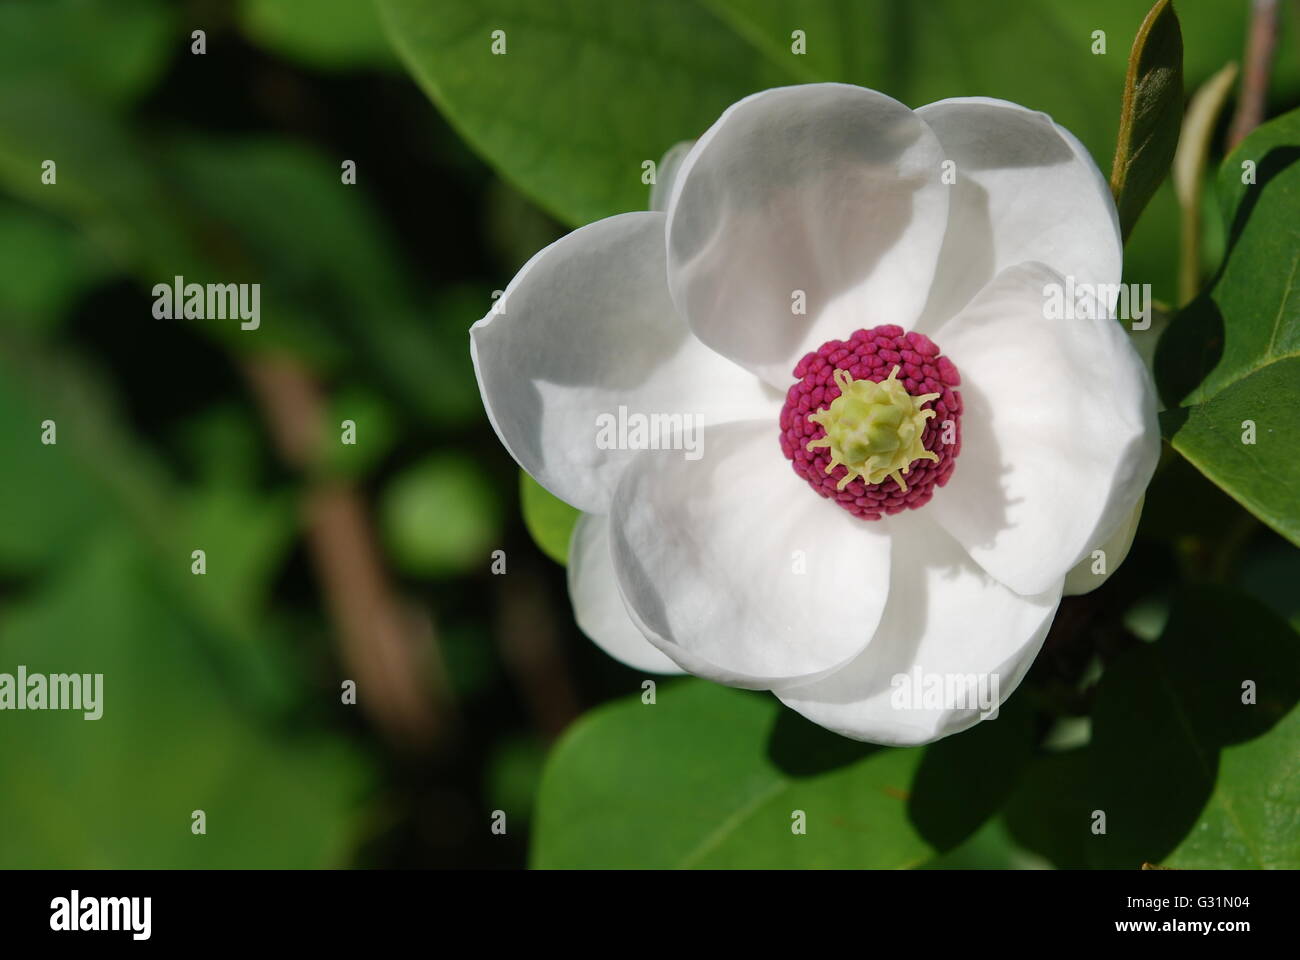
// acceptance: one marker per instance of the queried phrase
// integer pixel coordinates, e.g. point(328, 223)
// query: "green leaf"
point(1050, 813)
point(513, 774)
point(1263, 475)
point(585, 93)
point(1176, 752)
point(119, 791)
point(1040, 53)
point(440, 516)
point(1185, 771)
point(376, 432)
point(51, 500)
point(1269, 572)
point(1151, 115)
point(1252, 818)
point(1231, 356)
point(244, 536)
point(1149, 257)
point(468, 654)
point(1249, 315)
point(981, 766)
point(712, 777)
point(248, 211)
point(105, 181)
point(991, 848)
point(326, 34)
point(1184, 505)
point(550, 521)
point(330, 271)
point(1033, 52)
point(48, 265)
point(113, 50)
point(97, 476)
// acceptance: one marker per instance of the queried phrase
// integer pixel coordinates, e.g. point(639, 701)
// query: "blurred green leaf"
point(1151, 114)
point(51, 502)
point(105, 183)
point(440, 516)
point(516, 227)
point(514, 773)
point(47, 265)
point(119, 791)
point(1176, 752)
point(1146, 619)
point(376, 432)
point(704, 786)
point(325, 34)
point(329, 268)
point(99, 476)
point(244, 536)
point(469, 657)
point(113, 50)
point(222, 445)
point(550, 521)
point(258, 211)
point(111, 185)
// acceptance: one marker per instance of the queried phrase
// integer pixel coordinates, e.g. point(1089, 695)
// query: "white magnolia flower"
point(813, 245)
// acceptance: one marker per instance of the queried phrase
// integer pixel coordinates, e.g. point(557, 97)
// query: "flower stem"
point(1260, 44)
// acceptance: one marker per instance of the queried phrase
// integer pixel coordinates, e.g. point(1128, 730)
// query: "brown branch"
point(384, 647)
point(1261, 41)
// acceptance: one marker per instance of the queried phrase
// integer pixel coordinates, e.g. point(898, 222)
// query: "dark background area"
point(498, 658)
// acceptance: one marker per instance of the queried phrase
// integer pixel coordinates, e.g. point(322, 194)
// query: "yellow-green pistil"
point(873, 429)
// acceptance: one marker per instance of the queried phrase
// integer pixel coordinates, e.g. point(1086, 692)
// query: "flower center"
point(874, 422)
point(873, 429)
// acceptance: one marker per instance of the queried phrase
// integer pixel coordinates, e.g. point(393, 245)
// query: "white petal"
point(827, 191)
point(666, 174)
point(597, 604)
point(948, 624)
point(1026, 189)
point(738, 570)
point(1059, 433)
point(1091, 572)
point(585, 328)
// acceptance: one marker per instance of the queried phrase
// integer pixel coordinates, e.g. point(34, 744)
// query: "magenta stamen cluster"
point(871, 355)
